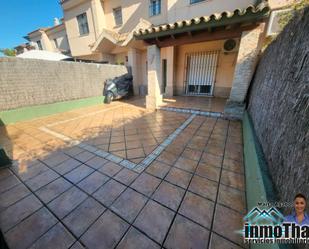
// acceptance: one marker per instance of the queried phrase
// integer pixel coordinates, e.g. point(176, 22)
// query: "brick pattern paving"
point(191, 196)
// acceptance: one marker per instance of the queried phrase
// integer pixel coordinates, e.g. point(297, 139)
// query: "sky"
point(20, 17)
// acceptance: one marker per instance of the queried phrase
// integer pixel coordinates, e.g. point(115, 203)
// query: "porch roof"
point(225, 18)
point(115, 39)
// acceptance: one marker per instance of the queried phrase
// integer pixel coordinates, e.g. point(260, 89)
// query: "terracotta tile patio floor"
point(59, 195)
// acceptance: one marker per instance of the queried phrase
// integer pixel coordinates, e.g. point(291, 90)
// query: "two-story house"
point(174, 47)
point(53, 39)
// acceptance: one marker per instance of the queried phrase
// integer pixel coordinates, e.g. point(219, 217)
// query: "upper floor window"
point(195, 1)
point(154, 7)
point(56, 43)
point(39, 45)
point(83, 24)
point(118, 16)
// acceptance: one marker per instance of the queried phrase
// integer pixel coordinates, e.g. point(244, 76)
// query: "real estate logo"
point(267, 226)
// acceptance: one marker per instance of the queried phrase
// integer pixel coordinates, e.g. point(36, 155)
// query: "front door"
point(201, 70)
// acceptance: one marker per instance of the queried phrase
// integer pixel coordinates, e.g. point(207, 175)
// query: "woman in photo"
point(299, 216)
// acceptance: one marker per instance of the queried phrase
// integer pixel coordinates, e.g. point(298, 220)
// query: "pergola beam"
point(185, 38)
point(249, 17)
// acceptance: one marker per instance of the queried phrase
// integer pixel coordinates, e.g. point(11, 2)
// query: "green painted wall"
point(27, 113)
point(258, 185)
point(256, 189)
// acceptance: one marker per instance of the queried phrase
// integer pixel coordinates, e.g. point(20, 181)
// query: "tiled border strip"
point(90, 148)
point(108, 207)
point(192, 111)
point(153, 155)
point(202, 113)
point(83, 116)
point(116, 159)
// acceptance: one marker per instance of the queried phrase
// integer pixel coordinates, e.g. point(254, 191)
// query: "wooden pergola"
point(225, 25)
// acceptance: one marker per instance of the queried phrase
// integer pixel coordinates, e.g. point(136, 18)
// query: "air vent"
point(230, 46)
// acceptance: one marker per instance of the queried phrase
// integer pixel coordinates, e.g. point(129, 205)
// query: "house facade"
point(53, 39)
point(174, 47)
point(24, 47)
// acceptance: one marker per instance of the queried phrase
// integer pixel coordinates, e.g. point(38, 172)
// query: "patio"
point(119, 176)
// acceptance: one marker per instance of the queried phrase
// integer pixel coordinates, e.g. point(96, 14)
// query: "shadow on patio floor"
point(60, 195)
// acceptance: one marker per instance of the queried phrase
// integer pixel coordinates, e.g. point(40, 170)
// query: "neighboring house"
point(174, 47)
point(53, 39)
point(23, 48)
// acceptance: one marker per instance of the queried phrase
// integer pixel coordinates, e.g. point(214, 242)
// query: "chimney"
point(56, 21)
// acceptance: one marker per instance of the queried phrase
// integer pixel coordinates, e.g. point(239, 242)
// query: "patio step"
point(222, 115)
point(234, 109)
